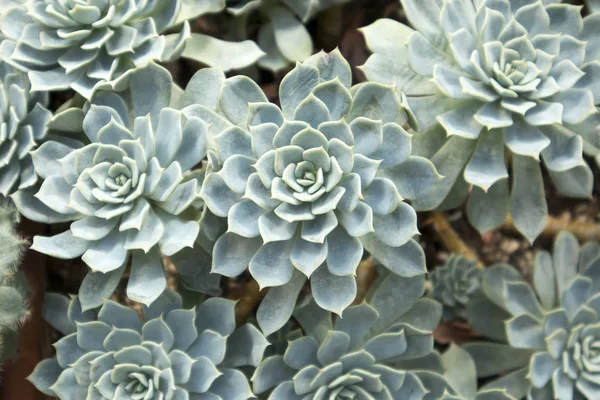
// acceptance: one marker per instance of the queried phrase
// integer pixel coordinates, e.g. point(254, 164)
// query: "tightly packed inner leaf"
point(306, 187)
point(486, 77)
point(455, 284)
point(23, 119)
point(175, 353)
point(125, 187)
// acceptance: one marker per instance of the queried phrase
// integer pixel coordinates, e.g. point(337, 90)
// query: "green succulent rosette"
point(282, 35)
point(172, 354)
point(370, 353)
point(125, 179)
point(78, 44)
point(13, 284)
point(307, 187)
point(489, 78)
point(455, 284)
point(549, 346)
point(23, 117)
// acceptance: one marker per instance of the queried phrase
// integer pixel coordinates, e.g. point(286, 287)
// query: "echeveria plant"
point(79, 43)
point(552, 328)
point(455, 284)
point(363, 355)
point(484, 77)
point(125, 185)
point(282, 35)
point(173, 354)
point(306, 187)
point(13, 285)
point(23, 118)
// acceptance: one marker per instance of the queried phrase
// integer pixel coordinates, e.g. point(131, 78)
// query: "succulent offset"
point(175, 353)
point(23, 117)
point(552, 333)
point(13, 285)
point(362, 355)
point(78, 44)
point(455, 284)
point(282, 35)
point(306, 187)
point(125, 185)
point(482, 76)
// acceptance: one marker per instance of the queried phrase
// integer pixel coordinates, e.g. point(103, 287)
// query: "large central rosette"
point(309, 186)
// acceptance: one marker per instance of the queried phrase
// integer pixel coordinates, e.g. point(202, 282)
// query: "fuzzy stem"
point(33, 339)
point(448, 236)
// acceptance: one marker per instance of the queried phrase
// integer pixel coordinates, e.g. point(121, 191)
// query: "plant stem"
point(249, 297)
point(366, 274)
point(448, 236)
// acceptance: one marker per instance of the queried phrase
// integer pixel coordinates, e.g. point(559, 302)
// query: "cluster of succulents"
point(173, 354)
point(484, 76)
point(282, 35)
point(13, 285)
point(303, 207)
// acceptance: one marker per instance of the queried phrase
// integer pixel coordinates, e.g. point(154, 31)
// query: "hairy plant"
point(282, 35)
point(126, 184)
point(306, 187)
point(172, 354)
point(78, 44)
point(23, 116)
point(552, 329)
point(455, 284)
point(363, 355)
point(488, 77)
point(13, 285)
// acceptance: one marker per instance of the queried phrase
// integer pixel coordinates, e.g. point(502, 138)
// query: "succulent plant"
point(362, 355)
point(455, 284)
point(459, 370)
point(484, 76)
point(24, 117)
point(77, 44)
point(126, 185)
point(13, 285)
point(306, 187)
point(282, 34)
point(552, 329)
point(175, 353)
